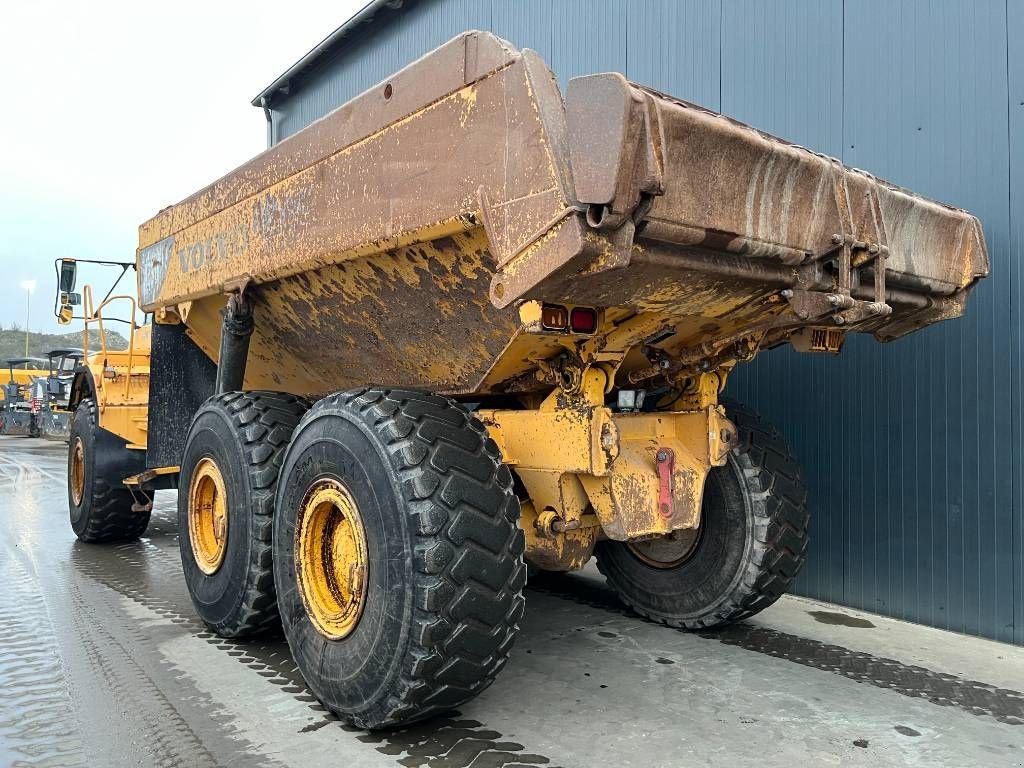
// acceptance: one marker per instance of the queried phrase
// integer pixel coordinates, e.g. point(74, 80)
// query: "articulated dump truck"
point(460, 325)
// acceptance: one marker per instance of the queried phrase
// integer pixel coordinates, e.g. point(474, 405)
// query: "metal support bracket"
point(861, 242)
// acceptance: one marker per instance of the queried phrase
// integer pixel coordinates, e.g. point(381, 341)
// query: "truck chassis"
point(459, 325)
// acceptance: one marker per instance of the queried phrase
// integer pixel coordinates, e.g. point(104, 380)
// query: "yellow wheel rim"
point(77, 472)
point(330, 559)
point(208, 516)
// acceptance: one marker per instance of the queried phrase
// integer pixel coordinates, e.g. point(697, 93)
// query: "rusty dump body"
point(443, 232)
point(406, 237)
point(577, 278)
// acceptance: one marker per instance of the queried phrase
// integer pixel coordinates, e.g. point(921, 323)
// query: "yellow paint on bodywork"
point(308, 326)
point(564, 440)
point(626, 499)
point(701, 391)
point(122, 392)
point(566, 551)
point(121, 377)
point(571, 459)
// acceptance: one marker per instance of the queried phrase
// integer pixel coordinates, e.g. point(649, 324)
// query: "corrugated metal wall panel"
point(1015, 129)
point(908, 459)
point(937, 74)
point(766, 81)
point(426, 25)
point(915, 477)
point(521, 23)
point(373, 52)
point(782, 69)
point(686, 63)
point(588, 36)
point(378, 57)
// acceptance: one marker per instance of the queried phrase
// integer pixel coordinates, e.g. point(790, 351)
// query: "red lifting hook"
point(666, 459)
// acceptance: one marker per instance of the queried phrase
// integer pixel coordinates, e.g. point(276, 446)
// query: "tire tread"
point(467, 550)
point(778, 498)
point(111, 517)
point(263, 422)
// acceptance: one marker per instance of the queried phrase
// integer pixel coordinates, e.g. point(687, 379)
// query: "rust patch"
point(390, 241)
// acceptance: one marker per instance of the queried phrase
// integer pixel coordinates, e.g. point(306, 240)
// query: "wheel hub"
point(78, 472)
point(668, 551)
point(208, 516)
point(331, 559)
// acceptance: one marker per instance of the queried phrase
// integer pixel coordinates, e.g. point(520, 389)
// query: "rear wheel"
point(228, 478)
point(750, 545)
point(98, 462)
point(398, 558)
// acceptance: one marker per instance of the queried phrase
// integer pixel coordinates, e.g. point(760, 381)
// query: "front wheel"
point(748, 550)
point(101, 507)
point(397, 555)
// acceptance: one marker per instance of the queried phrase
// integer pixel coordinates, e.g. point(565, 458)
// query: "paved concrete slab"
point(103, 663)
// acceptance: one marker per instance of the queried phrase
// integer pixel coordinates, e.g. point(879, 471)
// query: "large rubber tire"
point(104, 511)
point(443, 595)
point(245, 434)
point(751, 545)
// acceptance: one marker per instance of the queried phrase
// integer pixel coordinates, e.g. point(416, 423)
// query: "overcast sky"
point(112, 110)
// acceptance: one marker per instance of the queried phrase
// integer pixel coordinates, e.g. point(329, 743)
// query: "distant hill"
point(12, 342)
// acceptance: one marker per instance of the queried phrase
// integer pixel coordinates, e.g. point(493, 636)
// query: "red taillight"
point(583, 320)
point(554, 317)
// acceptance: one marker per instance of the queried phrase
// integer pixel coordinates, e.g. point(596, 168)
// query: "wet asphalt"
point(103, 663)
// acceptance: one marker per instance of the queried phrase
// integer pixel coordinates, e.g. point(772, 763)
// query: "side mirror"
point(65, 315)
point(70, 299)
point(68, 275)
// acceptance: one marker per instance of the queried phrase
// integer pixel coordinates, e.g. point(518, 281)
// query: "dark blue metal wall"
point(912, 449)
point(908, 446)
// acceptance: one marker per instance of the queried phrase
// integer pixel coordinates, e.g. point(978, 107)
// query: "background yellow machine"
point(459, 323)
point(16, 416)
point(21, 371)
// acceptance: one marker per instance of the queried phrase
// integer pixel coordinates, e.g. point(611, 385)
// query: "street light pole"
point(29, 286)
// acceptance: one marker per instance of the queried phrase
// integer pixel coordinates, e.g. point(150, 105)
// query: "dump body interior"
point(412, 236)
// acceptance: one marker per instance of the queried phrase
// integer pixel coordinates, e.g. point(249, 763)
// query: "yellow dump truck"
point(461, 324)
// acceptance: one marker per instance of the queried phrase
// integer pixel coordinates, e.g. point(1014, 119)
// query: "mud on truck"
point(462, 324)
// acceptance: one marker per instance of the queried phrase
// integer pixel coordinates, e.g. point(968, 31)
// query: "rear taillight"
point(577, 320)
point(583, 320)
